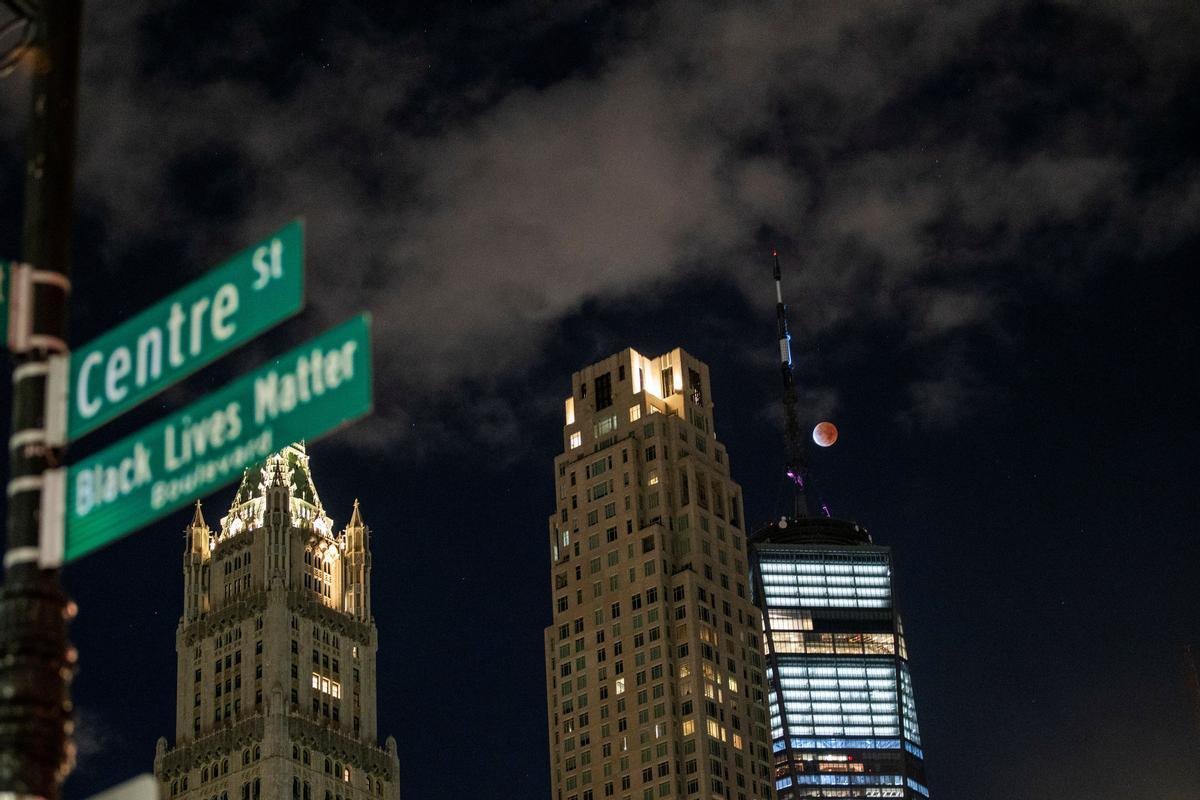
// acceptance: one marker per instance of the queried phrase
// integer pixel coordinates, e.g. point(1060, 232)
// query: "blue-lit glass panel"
point(848, 780)
point(831, 697)
point(817, 579)
point(911, 729)
point(838, 680)
point(836, 743)
point(917, 787)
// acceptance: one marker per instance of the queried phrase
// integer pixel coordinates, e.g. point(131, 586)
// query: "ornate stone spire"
point(277, 478)
point(197, 533)
point(198, 518)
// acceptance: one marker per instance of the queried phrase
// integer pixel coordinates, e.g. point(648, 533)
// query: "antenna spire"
point(797, 466)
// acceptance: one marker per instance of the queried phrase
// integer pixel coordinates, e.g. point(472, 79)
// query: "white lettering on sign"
point(87, 407)
point(210, 318)
point(267, 270)
point(100, 485)
point(194, 439)
point(198, 478)
point(279, 393)
point(225, 304)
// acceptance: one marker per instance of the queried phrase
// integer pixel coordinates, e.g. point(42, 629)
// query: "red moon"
point(825, 434)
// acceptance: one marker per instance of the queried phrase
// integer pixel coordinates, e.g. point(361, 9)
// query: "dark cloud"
point(511, 188)
point(920, 165)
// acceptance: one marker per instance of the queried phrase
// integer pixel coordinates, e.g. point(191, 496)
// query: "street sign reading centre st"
point(305, 393)
point(228, 306)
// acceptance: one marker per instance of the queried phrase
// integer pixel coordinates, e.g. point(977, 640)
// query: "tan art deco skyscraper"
point(654, 666)
point(276, 648)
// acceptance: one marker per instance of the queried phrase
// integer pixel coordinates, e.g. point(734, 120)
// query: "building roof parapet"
point(812, 531)
point(229, 740)
point(358, 754)
point(231, 613)
point(224, 741)
point(304, 603)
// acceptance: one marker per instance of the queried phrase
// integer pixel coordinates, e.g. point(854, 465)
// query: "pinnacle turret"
point(277, 478)
point(198, 519)
point(196, 535)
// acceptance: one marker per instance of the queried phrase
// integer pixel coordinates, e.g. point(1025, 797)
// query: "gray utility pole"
point(37, 662)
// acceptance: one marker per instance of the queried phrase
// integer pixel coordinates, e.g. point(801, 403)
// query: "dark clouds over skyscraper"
point(993, 211)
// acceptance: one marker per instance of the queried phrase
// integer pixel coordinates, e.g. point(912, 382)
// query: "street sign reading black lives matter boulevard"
point(305, 393)
point(251, 292)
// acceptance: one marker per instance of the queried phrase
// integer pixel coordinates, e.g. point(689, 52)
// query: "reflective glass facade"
point(843, 718)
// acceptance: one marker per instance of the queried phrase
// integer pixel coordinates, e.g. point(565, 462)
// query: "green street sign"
point(301, 395)
point(256, 289)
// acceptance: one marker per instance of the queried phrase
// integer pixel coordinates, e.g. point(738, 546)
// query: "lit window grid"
point(785, 642)
point(850, 780)
point(815, 578)
point(837, 697)
point(911, 730)
point(838, 743)
point(326, 686)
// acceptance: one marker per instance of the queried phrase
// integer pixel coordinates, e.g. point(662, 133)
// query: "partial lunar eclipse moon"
point(825, 434)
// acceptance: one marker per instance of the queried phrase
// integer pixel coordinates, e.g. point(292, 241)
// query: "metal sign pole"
point(36, 660)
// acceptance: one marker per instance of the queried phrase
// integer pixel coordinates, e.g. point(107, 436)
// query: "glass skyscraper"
point(843, 719)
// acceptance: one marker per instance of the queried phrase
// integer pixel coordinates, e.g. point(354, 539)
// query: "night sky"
point(989, 218)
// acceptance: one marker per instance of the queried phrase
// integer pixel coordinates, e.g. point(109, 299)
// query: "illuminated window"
point(635, 413)
point(667, 382)
point(576, 439)
point(570, 408)
point(605, 426)
point(689, 727)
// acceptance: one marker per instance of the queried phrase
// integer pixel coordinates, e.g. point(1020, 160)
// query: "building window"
point(668, 382)
point(576, 439)
point(605, 426)
point(604, 391)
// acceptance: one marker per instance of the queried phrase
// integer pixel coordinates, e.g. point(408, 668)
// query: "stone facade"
point(655, 682)
point(275, 690)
